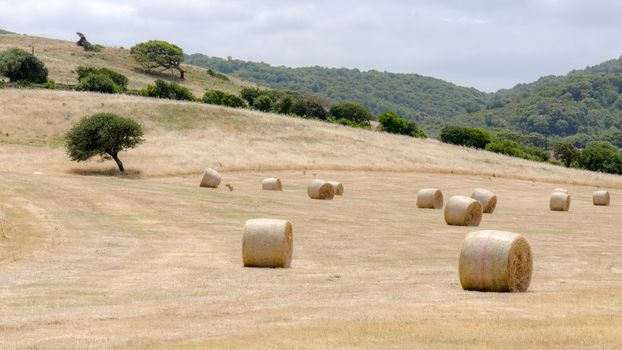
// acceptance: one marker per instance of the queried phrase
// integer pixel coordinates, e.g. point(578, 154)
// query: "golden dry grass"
point(63, 57)
point(151, 261)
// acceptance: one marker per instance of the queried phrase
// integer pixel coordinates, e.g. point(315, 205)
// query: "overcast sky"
point(487, 44)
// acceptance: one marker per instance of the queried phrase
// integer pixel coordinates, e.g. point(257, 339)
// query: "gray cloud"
point(487, 44)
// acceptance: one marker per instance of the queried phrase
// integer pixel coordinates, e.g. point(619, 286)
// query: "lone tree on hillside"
point(19, 65)
point(103, 134)
point(85, 44)
point(159, 54)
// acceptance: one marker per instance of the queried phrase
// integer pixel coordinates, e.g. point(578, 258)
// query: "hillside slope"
point(428, 100)
point(585, 104)
point(63, 57)
point(183, 138)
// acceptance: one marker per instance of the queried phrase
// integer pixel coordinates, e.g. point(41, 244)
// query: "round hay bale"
point(320, 189)
point(430, 198)
point(601, 198)
point(487, 199)
point(272, 184)
point(560, 201)
point(338, 187)
point(495, 261)
point(562, 190)
point(267, 243)
point(211, 178)
point(463, 211)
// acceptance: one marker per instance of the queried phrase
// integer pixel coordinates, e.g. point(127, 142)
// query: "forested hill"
point(583, 105)
point(411, 95)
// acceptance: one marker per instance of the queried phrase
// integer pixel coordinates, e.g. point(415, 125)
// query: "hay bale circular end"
point(211, 178)
point(267, 243)
point(320, 189)
point(272, 184)
point(487, 199)
point(495, 261)
point(430, 198)
point(463, 211)
point(560, 201)
point(338, 187)
point(601, 198)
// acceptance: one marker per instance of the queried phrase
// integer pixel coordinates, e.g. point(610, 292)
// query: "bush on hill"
point(396, 124)
point(21, 66)
point(353, 112)
point(221, 98)
point(462, 136)
point(173, 91)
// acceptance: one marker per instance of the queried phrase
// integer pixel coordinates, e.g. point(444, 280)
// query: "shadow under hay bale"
point(272, 184)
point(267, 243)
point(430, 198)
point(487, 199)
point(463, 211)
point(560, 201)
point(495, 261)
point(211, 178)
point(320, 189)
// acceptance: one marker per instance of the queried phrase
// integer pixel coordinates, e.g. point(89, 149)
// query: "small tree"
point(117, 78)
point(352, 112)
point(470, 137)
point(19, 65)
point(565, 152)
point(159, 54)
point(601, 156)
point(103, 134)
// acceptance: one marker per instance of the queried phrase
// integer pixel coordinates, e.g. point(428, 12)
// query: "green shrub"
point(348, 122)
point(352, 112)
point(98, 82)
point(19, 65)
point(217, 75)
point(173, 91)
point(249, 94)
point(263, 103)
point(49, 84)
point(566, 153)
point(470, 137)
point(222, 98)
point(103, 134)
point(118, 78)
point(396, 124)
point(601, 156)
point(308, 108)
point(509, 148)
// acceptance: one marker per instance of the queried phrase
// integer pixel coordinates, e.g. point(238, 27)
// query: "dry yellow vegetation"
point(63, 57)
point(152, 261)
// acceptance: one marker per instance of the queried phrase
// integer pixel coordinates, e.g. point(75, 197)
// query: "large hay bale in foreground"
point(560, 189)
point(487, 199)
point(495, 261)
point(320, 189)
point(560, 201)
point(338, 187)
point(267, 243)
point(272, 184)
point(463, 211)
point(211, 178)
point(601, 198)
point(430, 198)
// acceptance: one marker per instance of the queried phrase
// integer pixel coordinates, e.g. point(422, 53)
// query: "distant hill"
point(2, 31)
point(583, 105)
point(424, 99)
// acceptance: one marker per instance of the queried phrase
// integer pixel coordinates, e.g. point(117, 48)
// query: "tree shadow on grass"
point(110, 171)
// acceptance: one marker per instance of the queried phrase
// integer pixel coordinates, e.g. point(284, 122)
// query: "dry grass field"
point(152, 261)
point(63, 57)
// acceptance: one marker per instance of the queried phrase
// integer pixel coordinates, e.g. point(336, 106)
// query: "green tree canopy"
point(159, 54)
point(601, 156)
point(103, 134)
point(351, 111)
point(566, 153)
point(19, 65)
point(173, 91)
point(396, 124)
